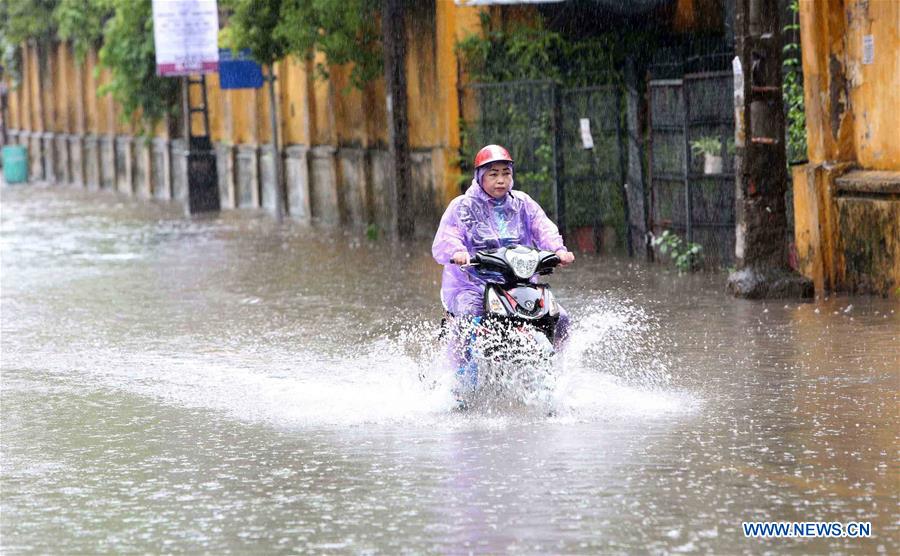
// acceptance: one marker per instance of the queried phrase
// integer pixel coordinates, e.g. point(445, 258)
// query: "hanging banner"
point(185, 34)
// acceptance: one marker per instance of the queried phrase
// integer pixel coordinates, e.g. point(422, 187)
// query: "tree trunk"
point(761, 163)
point(393, 30)
point(276, 152)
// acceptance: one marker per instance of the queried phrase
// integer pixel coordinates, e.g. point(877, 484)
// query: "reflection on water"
point(224, 385)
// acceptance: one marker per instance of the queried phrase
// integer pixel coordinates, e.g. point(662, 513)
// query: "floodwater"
point(222, 385)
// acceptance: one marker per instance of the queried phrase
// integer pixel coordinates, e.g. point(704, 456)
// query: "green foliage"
point(681, 252)
point(349, 34)
point(82, 22)
point(346, 32)
point(21, 20)
point(372, 232)
point(707, 145)
point(252, 25)
point(524, 52)
point(792, 92)
point(129, 53)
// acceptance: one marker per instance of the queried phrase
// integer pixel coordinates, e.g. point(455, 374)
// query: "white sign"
point(587, 141)
point(185, 34)
point(868, 49)
point(738, 102)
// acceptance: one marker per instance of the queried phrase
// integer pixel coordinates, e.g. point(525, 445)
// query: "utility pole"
point(393, 29)
point(761, 162)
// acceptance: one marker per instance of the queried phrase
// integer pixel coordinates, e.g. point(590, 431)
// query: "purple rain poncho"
point(476, 221)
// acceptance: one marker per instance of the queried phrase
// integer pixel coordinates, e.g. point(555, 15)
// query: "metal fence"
point(686, 196)
point(548, 129)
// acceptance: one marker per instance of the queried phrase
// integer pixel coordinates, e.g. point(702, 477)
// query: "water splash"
point(612, 366)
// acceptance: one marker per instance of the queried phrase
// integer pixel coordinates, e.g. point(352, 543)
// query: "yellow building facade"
point(847, 197)
point(333, 137)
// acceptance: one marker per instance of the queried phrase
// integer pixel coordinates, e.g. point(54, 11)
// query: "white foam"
point(400, 378)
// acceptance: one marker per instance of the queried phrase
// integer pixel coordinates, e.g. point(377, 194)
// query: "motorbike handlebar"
point(475, 261)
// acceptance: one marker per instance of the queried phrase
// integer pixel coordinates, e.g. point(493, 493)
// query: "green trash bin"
point(15, 164)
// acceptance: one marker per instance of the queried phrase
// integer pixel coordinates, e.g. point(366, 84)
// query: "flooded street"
point(224, 385)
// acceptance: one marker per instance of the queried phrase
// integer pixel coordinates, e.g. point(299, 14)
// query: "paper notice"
point(587, 141)
point(868, 49)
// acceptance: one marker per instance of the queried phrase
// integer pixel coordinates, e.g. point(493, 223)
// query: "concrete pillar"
point(35, 157)
point(354, 188)
point(92, 162)
point(178, 164)
point(297, 182)
point(324, 180)
point(247, 181)
point(379, 176)
point(427, 199)
point(143, 172)
point(48, 151)
point(107, 144)
point(225, 175)
point(268, 177)
point(76, 159)
point(125, 164)
point(162, 169)
point(62, 169)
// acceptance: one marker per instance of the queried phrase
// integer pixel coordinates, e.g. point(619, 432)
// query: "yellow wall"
point(90, 93)
point(311, 111)
point(852, 123)
point(875, 87)
point(12, 109)
point(37, 120)
point(860, 126)
point(349, 117)
point(62, 93)
point(421, 77)
point(293, 76)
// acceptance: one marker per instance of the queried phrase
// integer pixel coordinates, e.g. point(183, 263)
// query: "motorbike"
point(508, 352)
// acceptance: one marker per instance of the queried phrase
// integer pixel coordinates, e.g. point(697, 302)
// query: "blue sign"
point(237, 70)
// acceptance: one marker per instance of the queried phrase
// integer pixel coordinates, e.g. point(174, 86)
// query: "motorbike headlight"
point(553, 307)
point(523, 263)
point(493, 303)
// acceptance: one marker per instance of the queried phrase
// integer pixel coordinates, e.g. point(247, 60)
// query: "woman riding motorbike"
point(488, 216)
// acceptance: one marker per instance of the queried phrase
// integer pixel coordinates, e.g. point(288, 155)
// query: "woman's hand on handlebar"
point(565, 257)
point(460, 258)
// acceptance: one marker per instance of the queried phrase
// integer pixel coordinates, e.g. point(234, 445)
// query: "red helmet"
point(491, 153)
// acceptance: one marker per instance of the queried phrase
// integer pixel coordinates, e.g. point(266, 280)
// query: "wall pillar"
point(107, 145)
point(268, 157)
point(247, 176)
point(324, 182)
point(48, 152)
point(92, 162)
point(379, 176)
point(125, 164)
point(296, 179)
point(143, 172)
point(178, 163)
point(76, 159)
point(62, 171)
point(225, 166)
point(354, 189)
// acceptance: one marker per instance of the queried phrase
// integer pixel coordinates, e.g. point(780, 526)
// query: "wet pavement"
point(223, 385)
